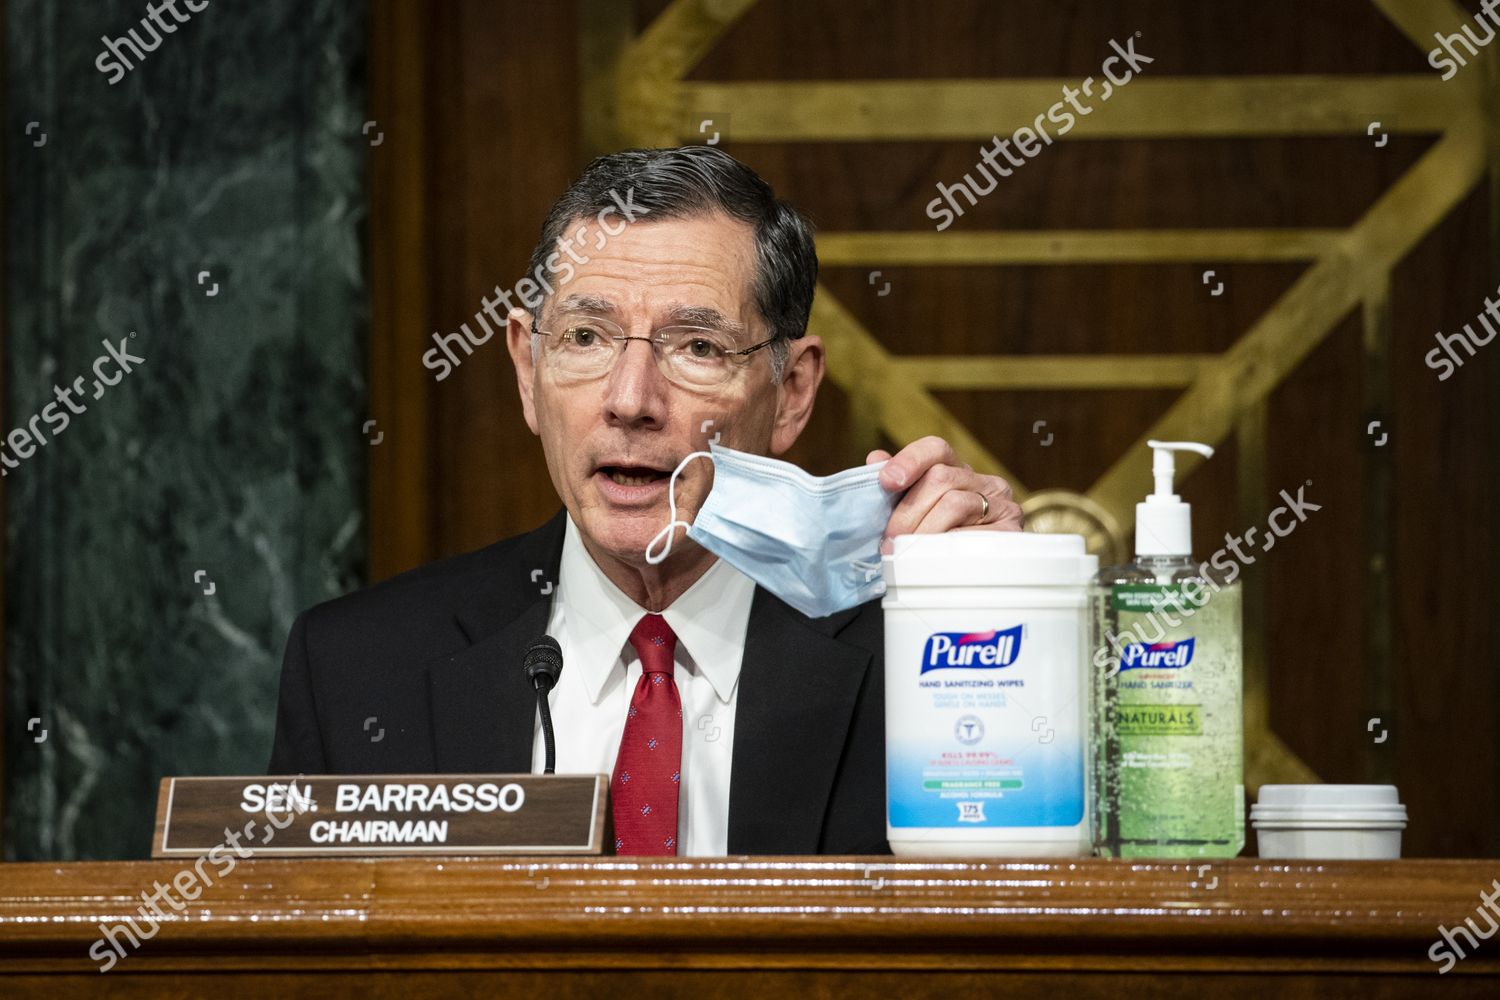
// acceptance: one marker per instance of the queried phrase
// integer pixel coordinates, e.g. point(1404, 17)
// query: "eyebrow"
point(705, 316)
point(588, 303)
point(682, 315)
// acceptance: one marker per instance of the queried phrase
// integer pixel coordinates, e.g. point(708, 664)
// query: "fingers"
point(921, 499)
point(962, 510)
point(950, 497)
point(911, 463)
point(942, 493)
point(956, 509)
point(946, 497)
point(1005, 513)
point(1006, 516)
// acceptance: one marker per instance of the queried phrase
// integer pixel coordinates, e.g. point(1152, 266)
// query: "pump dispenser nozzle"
point(1163, 523)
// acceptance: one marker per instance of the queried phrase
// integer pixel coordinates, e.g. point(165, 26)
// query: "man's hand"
point(942, 493)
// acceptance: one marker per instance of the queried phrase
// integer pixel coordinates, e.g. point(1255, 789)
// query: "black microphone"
point(543, 663)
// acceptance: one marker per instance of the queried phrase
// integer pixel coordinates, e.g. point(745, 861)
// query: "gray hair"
point(694, 180)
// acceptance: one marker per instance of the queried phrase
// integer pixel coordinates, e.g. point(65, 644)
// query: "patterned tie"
point(648, 768)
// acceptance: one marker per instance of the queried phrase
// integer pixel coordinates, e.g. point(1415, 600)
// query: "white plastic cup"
point(986, 697)
point(1328, 822)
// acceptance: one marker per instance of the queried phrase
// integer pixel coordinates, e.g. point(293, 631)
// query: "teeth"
point(625, 480)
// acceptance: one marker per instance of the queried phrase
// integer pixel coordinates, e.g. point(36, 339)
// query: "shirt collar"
point(711, 619)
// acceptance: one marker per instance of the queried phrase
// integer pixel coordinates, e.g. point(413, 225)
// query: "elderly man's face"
point(612, 442)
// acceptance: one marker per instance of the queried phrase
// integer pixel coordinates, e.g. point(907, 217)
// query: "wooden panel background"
point(484, 108)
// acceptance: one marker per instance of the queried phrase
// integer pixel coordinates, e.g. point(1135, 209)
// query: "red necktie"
point(648, 769)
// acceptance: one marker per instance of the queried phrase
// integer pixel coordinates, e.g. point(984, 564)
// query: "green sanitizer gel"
point(1167, 732)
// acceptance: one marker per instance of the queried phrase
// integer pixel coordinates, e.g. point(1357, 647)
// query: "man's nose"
point(637, 389)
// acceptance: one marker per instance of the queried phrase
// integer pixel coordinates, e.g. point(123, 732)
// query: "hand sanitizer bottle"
point(1167, 718)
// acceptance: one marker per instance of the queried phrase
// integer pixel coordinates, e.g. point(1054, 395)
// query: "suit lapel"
point(483, 705)
point(797, 690)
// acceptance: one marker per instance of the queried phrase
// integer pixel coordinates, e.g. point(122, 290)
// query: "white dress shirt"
point(592, 620)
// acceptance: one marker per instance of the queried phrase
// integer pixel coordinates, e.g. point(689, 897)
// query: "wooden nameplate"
point(361, 814)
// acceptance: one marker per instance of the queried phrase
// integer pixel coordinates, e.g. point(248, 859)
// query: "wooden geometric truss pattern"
point(635, 94)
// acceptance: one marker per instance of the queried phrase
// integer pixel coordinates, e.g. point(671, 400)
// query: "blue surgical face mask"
point(813, 541)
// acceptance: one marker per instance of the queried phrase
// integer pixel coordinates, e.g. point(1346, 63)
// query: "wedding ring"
point(986, 512)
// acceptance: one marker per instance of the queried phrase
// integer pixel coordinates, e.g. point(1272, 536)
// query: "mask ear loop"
point(672, 507)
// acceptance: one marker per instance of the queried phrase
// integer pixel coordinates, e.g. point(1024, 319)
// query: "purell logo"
point(972, 650)
point(1158, 655)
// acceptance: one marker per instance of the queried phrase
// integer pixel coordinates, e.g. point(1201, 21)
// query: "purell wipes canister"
point(986, 698)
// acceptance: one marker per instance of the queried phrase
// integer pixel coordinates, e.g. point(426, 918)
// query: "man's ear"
point(798, 389)
point(518, 340)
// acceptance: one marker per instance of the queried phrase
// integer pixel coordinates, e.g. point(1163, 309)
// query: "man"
point(728, 721)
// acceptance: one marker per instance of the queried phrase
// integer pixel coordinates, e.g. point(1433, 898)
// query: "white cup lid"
point(1327, 796)
point(1326, 823)
point(1328, 806)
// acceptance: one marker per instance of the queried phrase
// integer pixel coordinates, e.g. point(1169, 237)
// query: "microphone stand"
point(544, 685)
point(543, 663)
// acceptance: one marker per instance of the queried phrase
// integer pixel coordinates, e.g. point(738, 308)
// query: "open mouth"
point(633, 475)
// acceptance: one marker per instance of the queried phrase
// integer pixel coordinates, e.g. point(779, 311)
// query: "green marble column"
point(231, 460)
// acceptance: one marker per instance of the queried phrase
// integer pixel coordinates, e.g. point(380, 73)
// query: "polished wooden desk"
point(874, 927)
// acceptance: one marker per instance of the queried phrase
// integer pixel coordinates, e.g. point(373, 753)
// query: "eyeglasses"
point(582, 347)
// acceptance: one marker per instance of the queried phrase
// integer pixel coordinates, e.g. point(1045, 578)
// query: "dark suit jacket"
point(434, 658)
